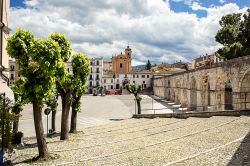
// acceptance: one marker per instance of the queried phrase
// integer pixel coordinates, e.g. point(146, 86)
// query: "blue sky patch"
point(181, 6)
point(17, 3)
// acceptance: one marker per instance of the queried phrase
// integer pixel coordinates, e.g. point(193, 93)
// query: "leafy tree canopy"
point(148, 65)
point(234, 35)
point(81, 71)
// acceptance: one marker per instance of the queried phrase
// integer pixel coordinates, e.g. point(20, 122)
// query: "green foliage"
point(6, 117)
point(148, 65)
point(64, 45)
point(51, 102)
point(81, 71)
point(19, 94)
point(63, 77)
point(17, 137)
point(234, 35)
point(135, 90)
point(19, 46)
point(38, 60)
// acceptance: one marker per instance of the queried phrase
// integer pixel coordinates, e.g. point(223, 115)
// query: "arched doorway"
point(208, 95)
point(220, 94)
point(193, 94)
point(228, 96)
point(245, 92)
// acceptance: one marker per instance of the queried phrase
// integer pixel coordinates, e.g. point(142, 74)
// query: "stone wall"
point(221, 86)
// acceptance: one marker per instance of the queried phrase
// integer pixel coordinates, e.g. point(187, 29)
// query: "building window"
point(97, 69)
point(91, 70)
point(12, 67)
point(97, 77)
point(143, 82)
point(12, 76)
point(97, 83)
point(147, 76)
point(111, 87)
point(117, 81)
point(117, 75)
point(104, 80)
point(97, 63)
point(142, 76)
point(133, 76)
point(91, 63)
point(111, 80)
point(134, 82)
point(137, 76)
point(90, 84)
point(120, 65)
point(126, 76)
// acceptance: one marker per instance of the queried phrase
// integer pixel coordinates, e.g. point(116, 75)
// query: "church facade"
point(121, 63)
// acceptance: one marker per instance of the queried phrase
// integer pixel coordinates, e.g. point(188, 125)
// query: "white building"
point(96, 74)
point(117, 81)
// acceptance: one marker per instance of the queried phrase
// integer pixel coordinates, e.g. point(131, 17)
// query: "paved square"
point(159, 141)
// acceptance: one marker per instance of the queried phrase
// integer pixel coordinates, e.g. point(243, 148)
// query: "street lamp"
point(47, 112)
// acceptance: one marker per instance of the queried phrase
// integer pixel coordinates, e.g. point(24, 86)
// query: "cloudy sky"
point(158, 30)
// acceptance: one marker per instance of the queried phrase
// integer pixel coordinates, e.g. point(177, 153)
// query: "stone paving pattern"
point(159, 141)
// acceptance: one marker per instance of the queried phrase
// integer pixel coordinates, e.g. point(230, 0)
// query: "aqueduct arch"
point(245, 91)
point(193, 94)
point(221, 86)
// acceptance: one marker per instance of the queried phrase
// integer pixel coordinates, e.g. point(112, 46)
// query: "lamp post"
point(2, 150)
point(47, 112)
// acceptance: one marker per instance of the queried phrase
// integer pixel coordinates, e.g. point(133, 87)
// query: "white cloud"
point(222, 1)
point(103, 28)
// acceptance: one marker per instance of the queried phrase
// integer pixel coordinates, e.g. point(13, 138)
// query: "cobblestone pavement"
point(159, 141)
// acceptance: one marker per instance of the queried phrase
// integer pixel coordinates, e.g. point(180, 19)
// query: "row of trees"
point(234, 35)
point(44, 76)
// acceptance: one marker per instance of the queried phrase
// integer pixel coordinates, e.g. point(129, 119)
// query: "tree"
point(6, 120)
point(148, 65)
point(234, 35)
point(81, 71)
point(135, 90)
point(38, 60)
point(52, 105)
point(64, 82)
point(20, 101)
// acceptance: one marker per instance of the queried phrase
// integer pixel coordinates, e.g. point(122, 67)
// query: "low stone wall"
point(194, 114)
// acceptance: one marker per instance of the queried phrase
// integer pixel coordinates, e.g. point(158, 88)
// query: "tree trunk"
point(53, 120)
point(65, 115)
point(73, 121)
point(16, 122)
point(15, 126)
point(41, 142)
point(74, 115)
point(139, 106)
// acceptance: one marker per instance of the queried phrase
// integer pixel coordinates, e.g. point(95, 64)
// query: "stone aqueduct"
point(221, 86)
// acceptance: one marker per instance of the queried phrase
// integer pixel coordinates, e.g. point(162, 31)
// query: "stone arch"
point(205, 93)
point(219, 91)
point(193, 94)
point(178, 92)
point(168, 95)
point(228, 96)
point(245, 91)
point(184, 101)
